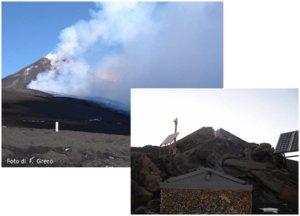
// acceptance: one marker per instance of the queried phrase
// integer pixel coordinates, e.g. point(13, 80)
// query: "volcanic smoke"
point(134, 45)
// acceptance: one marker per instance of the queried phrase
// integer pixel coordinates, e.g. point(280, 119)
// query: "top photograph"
point(68, 68)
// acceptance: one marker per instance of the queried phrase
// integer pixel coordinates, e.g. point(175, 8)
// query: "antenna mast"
point(174, 144)
point(170, 142)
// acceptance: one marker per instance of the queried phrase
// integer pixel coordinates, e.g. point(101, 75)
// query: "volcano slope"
point(91, 134)
point(274, 180)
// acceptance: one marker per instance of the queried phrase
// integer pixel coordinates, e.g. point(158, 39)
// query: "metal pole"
point(56, 126)
point(174, 147)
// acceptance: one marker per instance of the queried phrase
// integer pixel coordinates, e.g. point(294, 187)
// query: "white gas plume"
point(138, 44)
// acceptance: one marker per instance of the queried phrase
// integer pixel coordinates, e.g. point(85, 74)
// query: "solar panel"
point(288, 142)
point(170, 138)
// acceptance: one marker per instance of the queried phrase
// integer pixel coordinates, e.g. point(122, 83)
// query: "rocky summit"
point(274, 178)
point(23, 77)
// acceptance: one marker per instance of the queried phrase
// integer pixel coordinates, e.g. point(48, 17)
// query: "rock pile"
point(274, 184)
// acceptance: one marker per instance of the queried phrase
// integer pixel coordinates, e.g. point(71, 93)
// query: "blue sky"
point(30, 30)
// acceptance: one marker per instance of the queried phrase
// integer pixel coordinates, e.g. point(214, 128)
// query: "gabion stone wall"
point(187, 201)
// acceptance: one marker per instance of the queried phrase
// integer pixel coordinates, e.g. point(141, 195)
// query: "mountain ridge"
point(25, 107)
point(23, 77)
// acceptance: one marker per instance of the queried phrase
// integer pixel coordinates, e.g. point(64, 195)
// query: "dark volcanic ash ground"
point(95, 135)
point(30, 147)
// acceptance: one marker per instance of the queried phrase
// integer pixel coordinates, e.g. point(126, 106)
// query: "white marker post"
point(56, 126)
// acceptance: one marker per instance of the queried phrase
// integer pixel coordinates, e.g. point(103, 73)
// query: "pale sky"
point(254, 115)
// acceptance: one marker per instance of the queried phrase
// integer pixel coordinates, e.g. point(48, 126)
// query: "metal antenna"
point(170, 142)
point(174, 145)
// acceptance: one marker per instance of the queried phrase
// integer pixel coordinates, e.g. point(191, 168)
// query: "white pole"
point(56, 126)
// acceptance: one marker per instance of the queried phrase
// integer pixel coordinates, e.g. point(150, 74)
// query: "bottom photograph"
point(214, 151)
